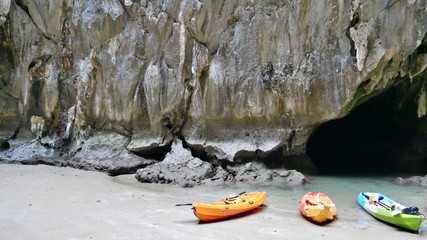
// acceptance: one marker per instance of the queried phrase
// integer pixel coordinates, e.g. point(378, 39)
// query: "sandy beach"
point(44, 202)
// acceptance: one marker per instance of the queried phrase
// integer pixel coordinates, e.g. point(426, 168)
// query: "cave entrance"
point(380, 136)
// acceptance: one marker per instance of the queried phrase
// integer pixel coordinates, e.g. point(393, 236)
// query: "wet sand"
point(44, 202)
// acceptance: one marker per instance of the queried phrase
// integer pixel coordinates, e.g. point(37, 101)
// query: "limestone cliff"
point(235, 80)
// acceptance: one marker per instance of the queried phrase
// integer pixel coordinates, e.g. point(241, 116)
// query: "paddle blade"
point(366, 196)
point(183, 204)
point(421, 229)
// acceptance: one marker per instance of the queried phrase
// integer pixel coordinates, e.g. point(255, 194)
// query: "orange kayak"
point(317, 207)
point(228, 207)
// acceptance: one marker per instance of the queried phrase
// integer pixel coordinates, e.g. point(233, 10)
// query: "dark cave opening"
point(380, 136)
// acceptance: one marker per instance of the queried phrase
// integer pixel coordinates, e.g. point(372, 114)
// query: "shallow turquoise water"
point(344, 190)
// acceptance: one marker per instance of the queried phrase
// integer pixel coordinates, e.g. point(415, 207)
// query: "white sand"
point(43, 202)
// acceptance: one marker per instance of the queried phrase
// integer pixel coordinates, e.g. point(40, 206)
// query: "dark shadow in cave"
point(154, 151)
point(380, 136)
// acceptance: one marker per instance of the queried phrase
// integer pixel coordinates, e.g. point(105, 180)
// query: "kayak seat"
point(234, 200)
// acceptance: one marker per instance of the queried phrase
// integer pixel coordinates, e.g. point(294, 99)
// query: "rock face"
point(236, 81)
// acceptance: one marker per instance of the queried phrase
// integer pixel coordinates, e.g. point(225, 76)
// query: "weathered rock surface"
point(415, 180)
point(4, 10)
point(106, 153)
point(179, 167)
point(238, 81)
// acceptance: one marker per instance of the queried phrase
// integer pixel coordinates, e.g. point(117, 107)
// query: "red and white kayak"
point(317, 207)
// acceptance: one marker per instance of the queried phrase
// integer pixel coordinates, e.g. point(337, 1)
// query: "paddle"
point(386, 206)
point(390, 208)
point(230, 198)
point(377, 202)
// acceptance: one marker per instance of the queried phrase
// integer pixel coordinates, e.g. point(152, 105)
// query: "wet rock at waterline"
point(257, 173)
point(188, 175)
point(180, 167)
point(415, 180)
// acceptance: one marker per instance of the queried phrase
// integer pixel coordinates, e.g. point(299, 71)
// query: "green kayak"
point(387, 210)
